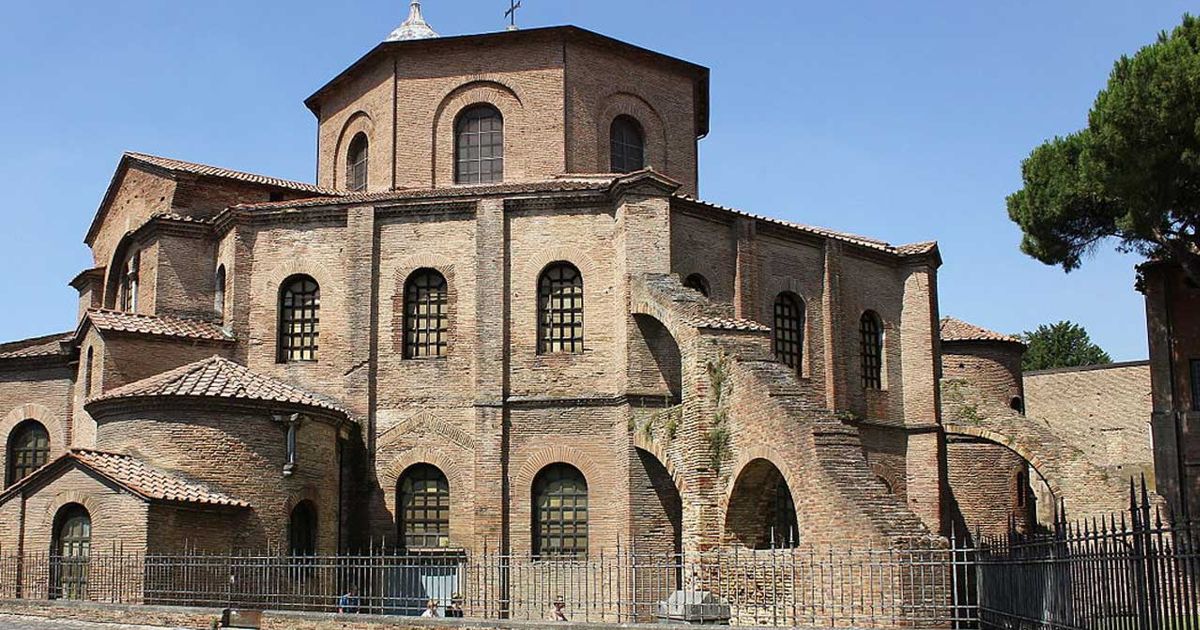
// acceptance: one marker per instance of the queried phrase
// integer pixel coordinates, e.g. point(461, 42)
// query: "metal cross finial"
point(511, 14)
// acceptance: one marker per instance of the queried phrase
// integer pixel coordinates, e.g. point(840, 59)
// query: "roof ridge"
point(954, 329)
point(201, 168)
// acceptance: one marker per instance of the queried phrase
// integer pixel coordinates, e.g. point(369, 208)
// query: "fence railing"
point(911, 586)
point(1132, 571)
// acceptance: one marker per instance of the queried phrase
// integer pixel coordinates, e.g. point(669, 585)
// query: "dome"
point(415, 27)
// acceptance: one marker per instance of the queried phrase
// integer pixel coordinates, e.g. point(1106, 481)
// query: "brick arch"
point(655, 130)
point(296, 497)
point(449, 466)
point(330, 300)
point(481, 90)
point(741, 525)
point(749, 456)
point(535, 265)
point(641, 442)
point(404, 271)
point(32, 411)
point(425, 419)
point(69, 497)
point(772, 289)
point(358, 122)
point(558, 454)
point(116, 267)
point(1027, 451)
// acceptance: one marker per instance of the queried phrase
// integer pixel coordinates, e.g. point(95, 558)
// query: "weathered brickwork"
point(675, 410)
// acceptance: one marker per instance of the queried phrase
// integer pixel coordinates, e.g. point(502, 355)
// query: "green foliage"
point(671, 426)
point(719, 436)
point(1133, 174)
point(1065, 344)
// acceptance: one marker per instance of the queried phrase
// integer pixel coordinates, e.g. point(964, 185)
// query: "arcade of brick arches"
point(503, 318)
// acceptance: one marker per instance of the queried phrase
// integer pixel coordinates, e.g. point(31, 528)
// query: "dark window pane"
point(560, 509)
point(299, 319)
point(424, 507)
point(627, 144)
point(356, 164)
point(426, 319)
point(302, 530)
point(480, 141)
point(71, 549)
point(28, 450)
point(789, 330)
point(871, 332)
point(560, 310)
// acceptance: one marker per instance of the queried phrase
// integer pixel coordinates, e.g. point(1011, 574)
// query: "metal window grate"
point(560, 502)
point(560, 308)
point(785, 528)
point(299, 319)
point(356, 163)
point(789, 330)
point(424, 508)
point(426, 321)
point(627, 145)
point(479, 141)
point(29, 450)
point(872, 351)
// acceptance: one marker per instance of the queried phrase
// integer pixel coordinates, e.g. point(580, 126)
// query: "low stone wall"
point(163, 616)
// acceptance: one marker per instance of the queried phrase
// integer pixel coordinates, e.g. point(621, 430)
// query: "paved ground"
point(12, 622)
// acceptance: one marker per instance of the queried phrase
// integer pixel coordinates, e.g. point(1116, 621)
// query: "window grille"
point(872, 351)
point(28, 450)
point(299, 319)
point(479, 146)
point(424, 507)
point(560, 308)
point(789, 330)
point(426, 321)
point(560, 509)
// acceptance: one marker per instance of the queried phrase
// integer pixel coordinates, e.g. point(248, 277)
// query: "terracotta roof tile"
point(225, 173)
point(958, 330)
point(218, 377)
point(463, 191)
point(46, 346)
point(118, 321)
point(150, 482)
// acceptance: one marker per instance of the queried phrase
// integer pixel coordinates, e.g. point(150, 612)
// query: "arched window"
point(789, 330)
point(697, 282)
point(1022, 489)
point(560, 309)
point(299, 319)
point(560, 513)
point(426, 321)
point(69, 552)
point(628, 145)
point(87, 373)
point(219, 292)
point(129, 283)
point(871, 333)
point(1017, 405)
point(479, 146)
point(424, 507)
point(302, 530)
point(356, 163)
point(784, 526)
point(28, 450)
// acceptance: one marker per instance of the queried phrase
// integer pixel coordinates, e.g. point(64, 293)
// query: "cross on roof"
point(511, 14)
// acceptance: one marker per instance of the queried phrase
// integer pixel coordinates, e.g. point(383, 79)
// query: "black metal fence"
point(1131, 571)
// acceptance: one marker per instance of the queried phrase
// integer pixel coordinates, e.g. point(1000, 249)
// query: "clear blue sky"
point(905, 121)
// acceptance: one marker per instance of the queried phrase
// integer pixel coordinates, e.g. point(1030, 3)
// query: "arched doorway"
point(70, 549)
point(762, 512)
point(659, 349)
point(657, 507)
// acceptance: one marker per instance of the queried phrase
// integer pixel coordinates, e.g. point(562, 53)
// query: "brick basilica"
point(502, 319)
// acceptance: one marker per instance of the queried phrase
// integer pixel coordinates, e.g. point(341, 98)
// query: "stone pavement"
point(14, 622)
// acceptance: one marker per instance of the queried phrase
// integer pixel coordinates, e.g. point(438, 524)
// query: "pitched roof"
point(134, 475)
point(44, 346)
point(174, 166)
point(218, 377)
point(156, 325)
point(464, 191)
point(958, 330)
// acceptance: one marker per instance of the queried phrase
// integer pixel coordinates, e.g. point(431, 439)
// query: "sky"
point(905, 121)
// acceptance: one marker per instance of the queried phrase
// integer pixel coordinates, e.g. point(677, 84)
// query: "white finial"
point(415, 27)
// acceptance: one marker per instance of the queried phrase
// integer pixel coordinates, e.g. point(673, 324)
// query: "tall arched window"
point(426, 320)
point(356, 163)
point(560, 309)
point(871, 332)
point(1022, 489)
point(424, 507)
point(70, 549)
point(28, 450)
point(299, 319)
point(789, 330)
point(219, 292)
point(697, 282)
point(302, 530)
point(628, 145)
point(560, 513)
point(88, 369)
point(129, 283)
point(479, 146)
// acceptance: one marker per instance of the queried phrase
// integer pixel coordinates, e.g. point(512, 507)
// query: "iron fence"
point(1130, 571)
point(912, 585)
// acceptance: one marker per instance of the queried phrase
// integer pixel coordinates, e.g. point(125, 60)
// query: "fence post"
point(1141, 595)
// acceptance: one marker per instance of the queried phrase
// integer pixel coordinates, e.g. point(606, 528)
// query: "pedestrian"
point(558, 612)
point(431, 607)
point(455, 607)
point(348, 602)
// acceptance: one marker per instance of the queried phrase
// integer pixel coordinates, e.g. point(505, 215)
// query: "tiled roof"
point(218, 377)
point(958, 330)
point(135, 476)
point(151, 482)
point(194, 168)
point(163, 326)
point(48, 345)
point(463, 191)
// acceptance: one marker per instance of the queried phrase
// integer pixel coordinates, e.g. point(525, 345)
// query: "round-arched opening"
point(627, 142)
point(1017, 405)
point(423, 507)
point(426, 315)
point(302, 530)
point(698, 283)
point(479, 146)
point(357, 161)
point(28, 450)
point(70, 549)
point(560, 513)
point(299, 319)
point(762, 512)
point(659, 349)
